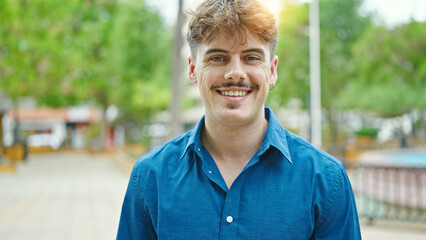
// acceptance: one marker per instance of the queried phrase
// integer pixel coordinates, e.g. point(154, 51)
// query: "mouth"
point(233, 93)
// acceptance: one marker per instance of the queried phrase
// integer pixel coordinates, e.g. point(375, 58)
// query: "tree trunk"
point(16, 129)
point(176, 126)
point(332, 126)
point(103, 124)
point(422, 125)
point(1, 137)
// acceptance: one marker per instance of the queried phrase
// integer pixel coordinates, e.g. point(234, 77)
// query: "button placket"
point(210, 169)
point(231, 209)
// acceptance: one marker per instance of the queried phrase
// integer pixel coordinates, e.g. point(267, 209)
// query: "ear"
point(274, 73)
point(191, 70)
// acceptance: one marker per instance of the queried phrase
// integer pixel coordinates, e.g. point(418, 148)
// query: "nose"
point(235, 71)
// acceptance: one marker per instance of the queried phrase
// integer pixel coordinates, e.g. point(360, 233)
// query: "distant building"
point(53, 127)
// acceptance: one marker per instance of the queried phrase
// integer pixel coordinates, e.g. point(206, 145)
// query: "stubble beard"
point(233, 106)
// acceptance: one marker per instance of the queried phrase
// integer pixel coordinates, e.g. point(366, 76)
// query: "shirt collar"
point(275, 136)
point(194, 137)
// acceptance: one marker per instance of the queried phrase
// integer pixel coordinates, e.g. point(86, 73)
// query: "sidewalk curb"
point(394, 225)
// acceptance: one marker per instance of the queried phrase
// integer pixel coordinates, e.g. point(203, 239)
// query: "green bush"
point(366, 131)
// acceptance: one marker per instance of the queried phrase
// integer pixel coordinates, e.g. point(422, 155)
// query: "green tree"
point(140, 57)
point(389, 71)
point(176, 126)
point(293, 53)
point(32, 59)
point(63, 53)
point(340, 26)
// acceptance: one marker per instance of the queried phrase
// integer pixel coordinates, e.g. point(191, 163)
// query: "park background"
point(108, 78)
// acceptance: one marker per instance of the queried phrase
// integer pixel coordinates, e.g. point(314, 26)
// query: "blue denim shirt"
point(288, 190)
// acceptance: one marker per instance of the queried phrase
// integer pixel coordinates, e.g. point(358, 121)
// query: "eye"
point(216, 58)
point(252, 58)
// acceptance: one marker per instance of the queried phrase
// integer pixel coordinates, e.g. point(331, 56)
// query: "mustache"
point(230, 84)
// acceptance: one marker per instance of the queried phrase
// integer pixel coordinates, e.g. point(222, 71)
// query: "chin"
point(236, 115)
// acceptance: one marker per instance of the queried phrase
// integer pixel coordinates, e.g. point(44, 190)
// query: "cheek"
point(261, 75)
point(208, 78)
point(204, 85)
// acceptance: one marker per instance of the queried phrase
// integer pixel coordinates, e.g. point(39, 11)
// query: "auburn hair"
point(232, 18)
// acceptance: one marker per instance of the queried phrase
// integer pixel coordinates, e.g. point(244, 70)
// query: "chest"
point(257, 206)
point(230, 170)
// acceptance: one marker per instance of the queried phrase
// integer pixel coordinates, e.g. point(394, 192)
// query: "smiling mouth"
point(233, 93)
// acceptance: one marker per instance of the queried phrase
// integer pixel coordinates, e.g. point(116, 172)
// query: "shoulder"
point(166, 155)
point(330, 181)
point(332, 191)
point(302, 152)
point(326, 173)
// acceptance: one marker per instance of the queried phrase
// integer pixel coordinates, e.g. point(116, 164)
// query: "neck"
point(226, 142)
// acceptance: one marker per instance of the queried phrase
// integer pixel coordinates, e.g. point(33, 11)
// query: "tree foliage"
point(69, 52)
point(140, 55)
point(36, 58)
point(340, 26)
point(119, 52)
point(293, 53)
point(390, 71)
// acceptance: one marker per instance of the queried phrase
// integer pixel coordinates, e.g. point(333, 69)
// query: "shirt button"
point(210, 171)
point(229, 219)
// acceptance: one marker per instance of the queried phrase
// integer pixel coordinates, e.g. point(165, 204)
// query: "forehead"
point(232, 44)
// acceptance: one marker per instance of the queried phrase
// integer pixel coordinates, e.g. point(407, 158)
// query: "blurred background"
point(88, 86)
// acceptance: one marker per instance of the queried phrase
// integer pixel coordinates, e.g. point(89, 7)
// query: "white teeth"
point(234, 93)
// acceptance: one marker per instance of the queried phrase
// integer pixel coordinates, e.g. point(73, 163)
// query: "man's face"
point(233, 79)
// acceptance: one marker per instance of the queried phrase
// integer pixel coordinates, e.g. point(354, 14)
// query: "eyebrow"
point(259, 50)
point(215, 50)
point(218, 50)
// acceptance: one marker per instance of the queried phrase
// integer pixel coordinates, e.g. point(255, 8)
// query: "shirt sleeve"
point(338, 218)
point(135, 220)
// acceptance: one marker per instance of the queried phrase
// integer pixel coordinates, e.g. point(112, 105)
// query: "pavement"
point(382, 230)
point(62, 196)
point(78, 195)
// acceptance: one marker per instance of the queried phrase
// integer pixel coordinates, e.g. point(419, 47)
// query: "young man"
point(238, 174)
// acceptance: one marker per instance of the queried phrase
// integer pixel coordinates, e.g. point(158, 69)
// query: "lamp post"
point(315, 73)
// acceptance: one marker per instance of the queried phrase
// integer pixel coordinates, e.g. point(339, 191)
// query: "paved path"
point(62, 196)
point(393, 231)
point(78, 196)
